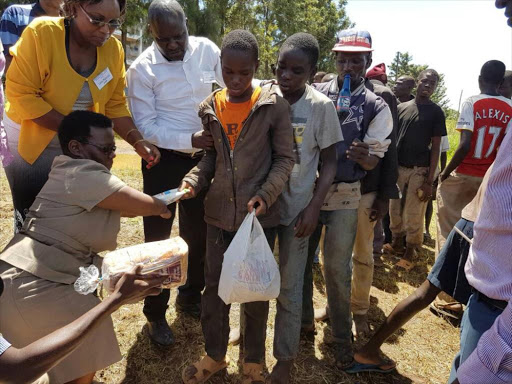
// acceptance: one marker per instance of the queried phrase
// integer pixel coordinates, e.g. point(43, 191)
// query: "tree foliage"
point(402, 65)
point(271, 21)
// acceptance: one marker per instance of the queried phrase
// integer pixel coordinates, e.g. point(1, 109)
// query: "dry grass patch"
point(424, 348)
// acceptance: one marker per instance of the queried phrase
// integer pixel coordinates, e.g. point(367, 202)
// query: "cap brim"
point(351, 49)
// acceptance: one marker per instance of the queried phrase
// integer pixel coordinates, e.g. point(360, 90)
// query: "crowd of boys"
point(281, 148)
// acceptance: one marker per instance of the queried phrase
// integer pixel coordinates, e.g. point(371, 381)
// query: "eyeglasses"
point(107, 150)
point(112, 24)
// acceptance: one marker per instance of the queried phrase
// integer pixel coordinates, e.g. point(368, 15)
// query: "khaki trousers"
point(407, 215)
point(362, 257)
point(453, 195)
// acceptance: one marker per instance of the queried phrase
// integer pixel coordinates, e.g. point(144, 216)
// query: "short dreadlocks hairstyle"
point(306, 42)
point(240, 40)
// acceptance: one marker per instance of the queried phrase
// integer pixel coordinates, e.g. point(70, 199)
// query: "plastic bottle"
point(169, 197)
point(343, 104)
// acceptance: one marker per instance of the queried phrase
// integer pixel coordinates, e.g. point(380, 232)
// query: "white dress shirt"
point(164, 96)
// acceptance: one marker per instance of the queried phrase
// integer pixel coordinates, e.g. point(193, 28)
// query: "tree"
point(402, 65)
point(321, 18)
point(271, 22)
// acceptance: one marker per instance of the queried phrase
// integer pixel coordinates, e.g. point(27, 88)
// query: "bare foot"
point(281, 372)
point(361, 325)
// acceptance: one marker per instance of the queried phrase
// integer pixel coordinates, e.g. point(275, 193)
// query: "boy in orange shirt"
point(247, 169)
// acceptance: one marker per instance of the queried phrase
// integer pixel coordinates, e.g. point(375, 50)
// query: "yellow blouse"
point(40, 78)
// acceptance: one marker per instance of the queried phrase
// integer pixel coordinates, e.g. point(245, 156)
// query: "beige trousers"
point(407, 215)
point(453, 195)
point(362, 257)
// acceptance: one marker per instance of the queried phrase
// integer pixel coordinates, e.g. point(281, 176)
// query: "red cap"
point(353, 40)
point(378, 73)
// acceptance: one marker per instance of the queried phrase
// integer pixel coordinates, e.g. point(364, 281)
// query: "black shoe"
point(160, 333)
point(192, 309)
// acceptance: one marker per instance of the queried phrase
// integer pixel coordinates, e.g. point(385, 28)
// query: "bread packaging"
point(165, 257)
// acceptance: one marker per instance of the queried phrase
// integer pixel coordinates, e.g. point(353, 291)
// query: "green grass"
point(453, 137)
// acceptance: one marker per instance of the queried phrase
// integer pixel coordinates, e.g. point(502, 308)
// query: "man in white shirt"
point(166, 83)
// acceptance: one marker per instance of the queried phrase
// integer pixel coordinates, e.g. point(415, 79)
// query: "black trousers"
point(167, 174)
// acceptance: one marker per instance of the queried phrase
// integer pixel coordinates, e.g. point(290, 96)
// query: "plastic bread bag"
point(170, 196)
point(166, 257)
point(249, 269)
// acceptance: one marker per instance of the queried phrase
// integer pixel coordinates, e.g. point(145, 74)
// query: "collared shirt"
point(164, 96)
point(65, 229)
point(489, 270)
point(14, 20)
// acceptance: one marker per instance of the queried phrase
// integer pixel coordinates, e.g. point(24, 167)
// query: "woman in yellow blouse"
point(60, 65)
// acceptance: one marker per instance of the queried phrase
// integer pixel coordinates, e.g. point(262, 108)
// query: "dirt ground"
point(423, 349)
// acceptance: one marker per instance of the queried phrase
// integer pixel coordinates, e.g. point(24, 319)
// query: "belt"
point(500, 304)
point(193, 155)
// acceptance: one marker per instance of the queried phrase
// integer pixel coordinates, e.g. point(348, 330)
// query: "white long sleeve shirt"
point(164, 96)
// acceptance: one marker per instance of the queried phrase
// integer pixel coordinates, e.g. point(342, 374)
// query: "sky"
point(455, 37)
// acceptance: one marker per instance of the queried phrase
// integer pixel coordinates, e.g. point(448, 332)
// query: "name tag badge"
point(209, 77)
point(103, 78)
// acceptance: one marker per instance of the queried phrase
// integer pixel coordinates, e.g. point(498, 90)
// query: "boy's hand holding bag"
point(249, 270)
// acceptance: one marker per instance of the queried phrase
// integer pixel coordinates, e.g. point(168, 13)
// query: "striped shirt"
point(4, 345)
point(489, 270)
point(14, 20)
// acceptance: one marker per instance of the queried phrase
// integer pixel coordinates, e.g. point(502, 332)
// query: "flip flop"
point(360, 367)
point(204, 369)
point(252, 373)
point(448, 310)
point(405, 264)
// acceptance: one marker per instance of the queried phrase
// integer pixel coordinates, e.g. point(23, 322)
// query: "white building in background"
point(134, 44)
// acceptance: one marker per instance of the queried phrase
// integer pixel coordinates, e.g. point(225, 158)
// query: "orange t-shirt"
point(233, 115)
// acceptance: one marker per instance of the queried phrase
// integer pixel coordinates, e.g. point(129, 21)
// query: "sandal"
point(453, 310)
point(202, 370)
point(252, 373)
point(405, 264)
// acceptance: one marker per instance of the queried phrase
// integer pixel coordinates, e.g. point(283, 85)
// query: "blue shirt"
point(14, 20)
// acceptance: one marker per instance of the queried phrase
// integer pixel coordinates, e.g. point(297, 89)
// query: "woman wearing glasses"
point(62, 64)
point(75, 216)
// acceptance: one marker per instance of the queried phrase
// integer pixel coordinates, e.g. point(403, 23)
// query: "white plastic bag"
point(249, 270)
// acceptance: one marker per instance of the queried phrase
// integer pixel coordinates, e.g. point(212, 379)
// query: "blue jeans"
point(478, 317)
point(293, 253)
point(340, 233)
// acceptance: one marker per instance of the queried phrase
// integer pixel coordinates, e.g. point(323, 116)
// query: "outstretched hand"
point(191, 191)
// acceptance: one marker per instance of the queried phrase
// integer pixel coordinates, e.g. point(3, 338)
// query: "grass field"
point(424, 348)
